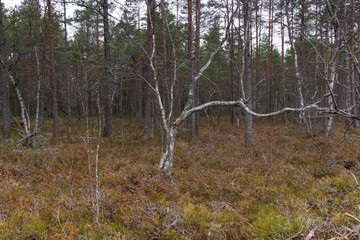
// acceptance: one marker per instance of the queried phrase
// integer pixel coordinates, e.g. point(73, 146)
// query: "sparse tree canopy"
point(156, 62)
point(134, 76)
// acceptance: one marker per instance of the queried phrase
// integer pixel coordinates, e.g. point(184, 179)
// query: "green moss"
point(197, 215)
point(36, 226)
point(227, 216)
point(24, 225)
point(270, 223)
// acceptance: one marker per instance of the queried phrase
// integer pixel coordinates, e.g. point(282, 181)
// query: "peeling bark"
point(167, 159)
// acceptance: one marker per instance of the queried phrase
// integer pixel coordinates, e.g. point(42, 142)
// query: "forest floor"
point(287, 186)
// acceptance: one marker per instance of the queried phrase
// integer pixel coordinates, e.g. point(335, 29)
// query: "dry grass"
point(283, 188)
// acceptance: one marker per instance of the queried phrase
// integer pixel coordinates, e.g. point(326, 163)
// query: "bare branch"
point(353, 217)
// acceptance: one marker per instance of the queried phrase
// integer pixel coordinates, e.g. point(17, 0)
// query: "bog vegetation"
point(287, 186)
point(125, 84)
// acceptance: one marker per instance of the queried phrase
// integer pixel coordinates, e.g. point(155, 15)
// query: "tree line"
point(165, 61)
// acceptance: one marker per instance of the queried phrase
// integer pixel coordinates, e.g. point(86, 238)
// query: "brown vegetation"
point(285, 187)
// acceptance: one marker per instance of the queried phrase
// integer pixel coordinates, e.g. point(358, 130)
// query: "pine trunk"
point(249, 138)
point(4, 87)
point(52, 71)
point(108, 86)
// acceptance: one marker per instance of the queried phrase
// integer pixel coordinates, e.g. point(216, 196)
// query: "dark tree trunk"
point(232, 61)
point(269, 57)
point(190, 59)
point(107, 83)
point(249, 138)
point(53, 80)
point(148, 94)
point(196, 116)
point(4, 87)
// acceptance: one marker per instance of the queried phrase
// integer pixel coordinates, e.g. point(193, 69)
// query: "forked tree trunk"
point(167, 159)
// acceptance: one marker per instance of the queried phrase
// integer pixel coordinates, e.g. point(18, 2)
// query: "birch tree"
point(170, 122)
point(30, 16)
point(330, 70)
point(298, 72)
point(194, 59)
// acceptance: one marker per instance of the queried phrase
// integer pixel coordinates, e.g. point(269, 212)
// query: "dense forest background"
point(294, 53)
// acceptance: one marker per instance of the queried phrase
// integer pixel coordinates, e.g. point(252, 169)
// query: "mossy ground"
point(282, 188)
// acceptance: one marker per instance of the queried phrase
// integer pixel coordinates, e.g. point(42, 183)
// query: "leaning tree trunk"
point(24, 113)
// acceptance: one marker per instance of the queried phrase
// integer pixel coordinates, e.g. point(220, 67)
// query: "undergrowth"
point(285, 187)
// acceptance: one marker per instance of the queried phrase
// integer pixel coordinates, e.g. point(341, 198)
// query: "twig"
point(310, 235)
point(353, 217)
point(355, 178)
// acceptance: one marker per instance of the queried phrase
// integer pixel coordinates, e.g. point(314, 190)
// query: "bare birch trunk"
point(97, 186)
point(167, 159)
point(170, 126)
point(37, 114)
point(24, 113)
point(330, 100)
point(298, 75)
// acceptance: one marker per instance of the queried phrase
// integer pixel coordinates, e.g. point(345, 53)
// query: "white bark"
point(37, 116)
point(331, 84)
point(24, 113)
point(97, 186)
point(338, 29)
point(167, 159)
point(170, 126)
point(298, 75)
